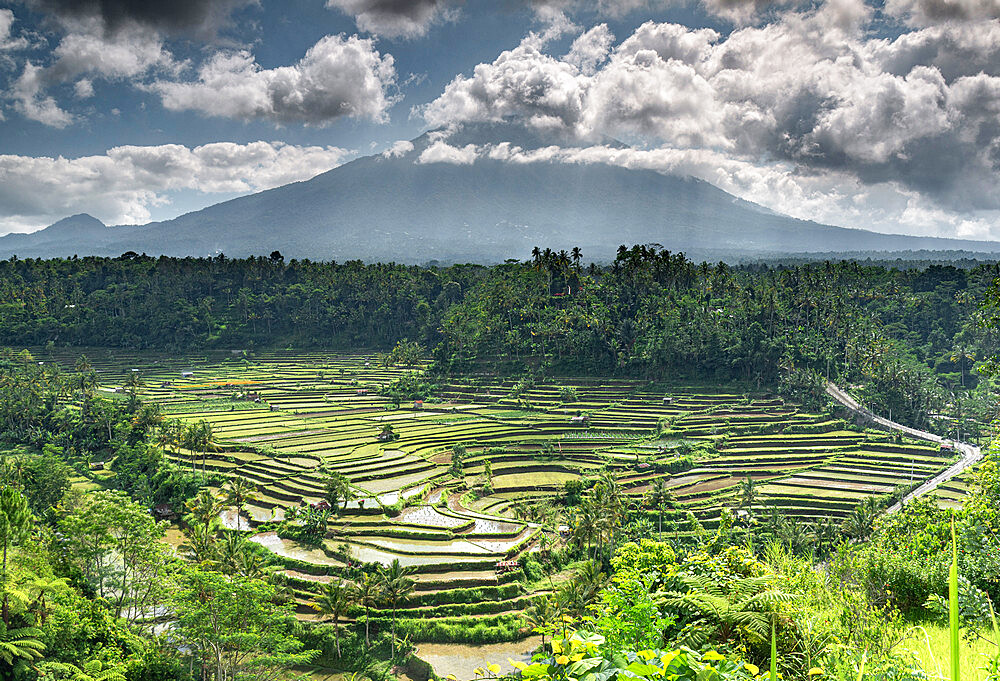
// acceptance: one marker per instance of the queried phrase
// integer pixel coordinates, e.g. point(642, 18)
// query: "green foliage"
point(234, 628)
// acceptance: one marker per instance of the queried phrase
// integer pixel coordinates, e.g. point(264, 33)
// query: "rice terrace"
point(460, 486)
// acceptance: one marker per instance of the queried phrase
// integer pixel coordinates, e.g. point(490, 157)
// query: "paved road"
point(970, 454)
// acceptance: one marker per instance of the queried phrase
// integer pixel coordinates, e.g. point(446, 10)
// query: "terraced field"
point(323, 411)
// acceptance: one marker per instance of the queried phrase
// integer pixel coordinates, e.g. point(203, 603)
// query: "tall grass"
point(956, 665)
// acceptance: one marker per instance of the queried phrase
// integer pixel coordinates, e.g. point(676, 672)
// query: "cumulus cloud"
point(590, 49)
point(396, 18)
point(338, 77)
point(812, 89)
point(442, 152)
point(931, 12)
point(398, 148)
point(7, 40)
point(122, 185)
point(125, 55)
point(200, 17)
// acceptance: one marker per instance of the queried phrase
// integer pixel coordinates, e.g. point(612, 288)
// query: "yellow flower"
point(562, 659)
point(577, 657)
point(815, 671)
point(752, 668)
point(646, 654)
point(713, 655)
point(494, 668)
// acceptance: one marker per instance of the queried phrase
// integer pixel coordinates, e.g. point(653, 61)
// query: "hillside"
point(399, 209)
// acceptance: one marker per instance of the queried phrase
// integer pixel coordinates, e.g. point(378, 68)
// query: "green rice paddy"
point(323, 411)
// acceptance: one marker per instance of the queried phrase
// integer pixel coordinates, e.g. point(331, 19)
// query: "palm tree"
point(230, 552)
point(205, 507)
point(133, 383)
point(333, 600)
point(15, 527)
point(201, 544)
point(860, 523)
point(541, 611)
point(749, 490)
point(959, 354)
point(592, 579)
point(395, 587)
point(658, 496)
point(365, 593)
point(237, 492)
point(336, 488)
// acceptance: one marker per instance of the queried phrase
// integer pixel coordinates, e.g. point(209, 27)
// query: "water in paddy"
point(228, 520)
point(428, 516)
point(490, 526)
point(289, 549)
point(426, 546)
point(370, 554)
point(460, 658)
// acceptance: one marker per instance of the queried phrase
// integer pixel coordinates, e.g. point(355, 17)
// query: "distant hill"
point(394, 208)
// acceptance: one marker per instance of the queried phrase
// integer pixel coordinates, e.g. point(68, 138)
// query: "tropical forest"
point(551, 469)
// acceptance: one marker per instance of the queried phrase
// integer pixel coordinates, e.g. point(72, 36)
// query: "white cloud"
point(30, 101)
point(122, 185)
point(398, 148)
point(931, 12)
point(590, 49)
point(125, 55)
point(396, 18)
point(84, 88)
point(442, 152)
point(338, 77)
point(7, 40)
point(798, 114)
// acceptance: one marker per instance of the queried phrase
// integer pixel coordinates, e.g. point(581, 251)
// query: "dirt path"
point(970, 454)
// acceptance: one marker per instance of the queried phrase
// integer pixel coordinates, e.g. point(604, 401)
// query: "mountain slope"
point(395, 208)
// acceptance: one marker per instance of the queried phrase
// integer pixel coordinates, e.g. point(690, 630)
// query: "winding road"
point(970, 454)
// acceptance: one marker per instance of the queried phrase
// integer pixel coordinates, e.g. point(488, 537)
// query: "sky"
point(883, 115)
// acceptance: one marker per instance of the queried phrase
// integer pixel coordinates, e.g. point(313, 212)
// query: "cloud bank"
point(783, 113)
point(120, 186)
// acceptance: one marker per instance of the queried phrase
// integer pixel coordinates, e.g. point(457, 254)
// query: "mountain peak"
point(79, 224)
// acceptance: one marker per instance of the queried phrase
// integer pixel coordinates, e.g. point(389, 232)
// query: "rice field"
point(280, 419)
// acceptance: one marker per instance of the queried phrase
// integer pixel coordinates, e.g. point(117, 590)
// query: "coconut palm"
point(541, 611)
point(205, 507)
point(395, 587)
point(201, 545)
point(333, 601)
point(658, 496)
point(749, 490)
point(237, 492)
point(365, 593)
point(337, 488)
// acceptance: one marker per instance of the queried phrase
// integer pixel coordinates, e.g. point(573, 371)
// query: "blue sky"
point(881, 116)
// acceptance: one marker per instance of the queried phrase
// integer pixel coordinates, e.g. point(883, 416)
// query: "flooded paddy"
point(290, 549)
point(461, 659)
